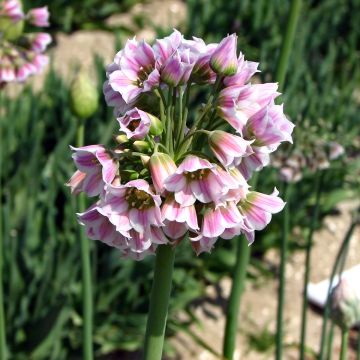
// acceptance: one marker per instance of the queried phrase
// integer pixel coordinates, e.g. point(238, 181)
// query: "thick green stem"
point(307, 264)
point(344, 344)
point(338, 261)
point(159, 302)
point(238, 286)
point(3, 353)
point(282, 275)
point(287, 42)
point(329, 351)
point(87, 295)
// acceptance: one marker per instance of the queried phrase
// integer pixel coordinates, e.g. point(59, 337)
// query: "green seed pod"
point(141, 146)
point(83, 96)
point(156, 127)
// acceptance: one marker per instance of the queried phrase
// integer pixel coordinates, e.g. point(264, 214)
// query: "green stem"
point(344, 344)
point(287, 42)
point(338, 261)
point(282, 277)
point(3, 353)
point(169, 134)
point(237, 289)
point(159, 302)
point(358, 347)
point(87, 296)
point(307, 264)
point(329, 351)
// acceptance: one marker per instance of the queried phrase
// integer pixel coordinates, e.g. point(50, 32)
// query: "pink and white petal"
point(158, 236)
point(185, 196)
point(175, 230)
point(271, 203)
point(93, 184)
point(175, 182)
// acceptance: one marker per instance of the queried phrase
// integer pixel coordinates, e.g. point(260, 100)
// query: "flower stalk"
point(237, 289)
point(87, 295)
point(344, 344)
point(318, 181)
point(3, 351)
point(282, 274)
point(159, 303)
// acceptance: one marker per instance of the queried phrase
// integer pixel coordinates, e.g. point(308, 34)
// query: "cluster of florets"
point(173, 176)
point(294, 164)
point(21, 54)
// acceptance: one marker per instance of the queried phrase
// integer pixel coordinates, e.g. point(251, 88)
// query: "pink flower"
point(39, 61)
point(228, 148)
point(177, 68)
point(12, 9)
point(135, 201)
point(98, 227)
point(223, 61)
point(217, 219)
point(165, 48)
point(173, 214)
point(245, 70)
point(135, 124)
point(142, 241)
point(258, 208)
point(201, 243)
point(254, 162)
point(336, 150)
point(39, 16)
point(198, 179)
point(40, 42)
point(99, 168)
point(7, 74)
point(269, 127)
point(133, 71)
point(237, 104)
point(161, 167)
point(114, 99)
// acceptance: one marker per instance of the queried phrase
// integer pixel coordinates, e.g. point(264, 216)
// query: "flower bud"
point(161, 166)
point(39, 16)
point(345, 305)
point(121, 139)
point(83, 96)
point(156, 126)
point(224, 59)
point(141, 146)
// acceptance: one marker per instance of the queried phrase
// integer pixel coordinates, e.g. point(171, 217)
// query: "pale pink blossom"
point(39, 16)
point(245, 70)
point(166, 47)
point(40, 42)
point(161, 166)
point(198, 179)
point(12, 9)
point(201, 243)
point(223, 60)
point(135, 124)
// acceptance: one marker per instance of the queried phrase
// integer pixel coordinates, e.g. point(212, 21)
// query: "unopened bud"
point(161, 167)
point(156, 127)
point(141, 146)
point(121, 139)
point(83, 96)
point(224, 60)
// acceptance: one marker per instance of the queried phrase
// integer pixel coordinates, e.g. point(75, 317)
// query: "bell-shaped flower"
point(142, 241)
point(99, 167)
point(39, 16)
point(114, 99)
point(98, 227)
point(254, 162)
point(198, 179)
point(177, 68)
point(173, 212)
point(237, 104)
point(138, 256)
point(224, 60)
point(136, 201)
point(228, 148)
point(245, 70)
point(161, 166)
point(201, 243)
point(133, 71)
point(40, 41)
point(166, 47)
point(135, 124)
point(216, 219)
point(257, 209)
point(11, 9)
point(269, 127)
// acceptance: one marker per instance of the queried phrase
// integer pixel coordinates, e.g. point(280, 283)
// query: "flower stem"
point(318, 178)
point(159, 302)
point(86, 272)
point(329, 350)
point(344, 343)
point(3, 354)
point(339, 259)
point(282, 277)
point(237, 289)
point(358, 347)
point(287, 42)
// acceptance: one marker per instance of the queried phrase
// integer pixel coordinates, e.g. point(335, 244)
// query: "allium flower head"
point(166, 178)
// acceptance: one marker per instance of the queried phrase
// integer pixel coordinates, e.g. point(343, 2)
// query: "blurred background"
point(42, 271)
